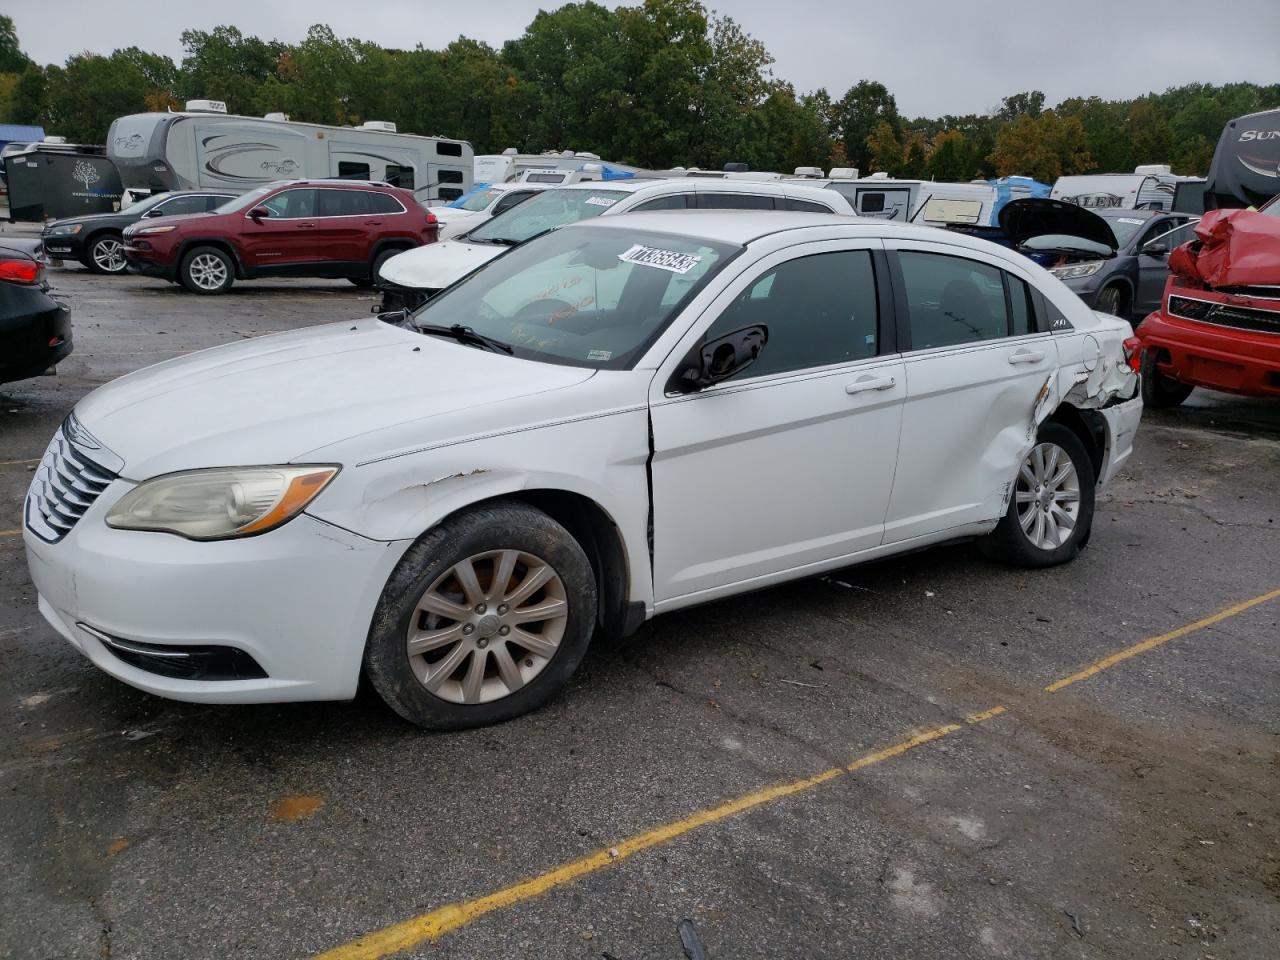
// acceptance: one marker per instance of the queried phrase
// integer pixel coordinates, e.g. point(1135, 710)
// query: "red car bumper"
point(1232, 348)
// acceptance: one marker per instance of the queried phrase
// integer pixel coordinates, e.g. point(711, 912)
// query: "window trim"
point(702, 195)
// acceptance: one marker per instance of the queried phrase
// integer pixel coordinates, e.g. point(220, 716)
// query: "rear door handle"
point(864, 384)
point(1026, 356)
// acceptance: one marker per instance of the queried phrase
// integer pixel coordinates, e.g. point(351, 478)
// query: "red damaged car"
point(1219, 323)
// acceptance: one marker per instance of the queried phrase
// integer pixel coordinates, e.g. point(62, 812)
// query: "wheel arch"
point(219, 243)
point(1090, 426)
point(86, 245)
point(1127, 291)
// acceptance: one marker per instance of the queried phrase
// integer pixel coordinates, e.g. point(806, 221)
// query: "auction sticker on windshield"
point(671, 260)
point(600, 201)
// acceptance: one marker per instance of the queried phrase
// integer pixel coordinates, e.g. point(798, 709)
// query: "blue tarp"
point(10, 132)
point(1015, 188)
point(608, 173)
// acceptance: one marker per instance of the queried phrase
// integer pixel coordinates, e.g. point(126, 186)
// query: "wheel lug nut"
point(502, 608)
point(480, 608)
point(504, 630)
point(468, 628)
point(482, 642)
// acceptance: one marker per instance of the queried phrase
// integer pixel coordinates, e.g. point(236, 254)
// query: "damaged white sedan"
point(617, 419)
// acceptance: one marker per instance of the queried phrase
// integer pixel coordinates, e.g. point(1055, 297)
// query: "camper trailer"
point(52, 179)
point(552, 167)
point(1245, 171)
point(204, 147)
point(1149, 187)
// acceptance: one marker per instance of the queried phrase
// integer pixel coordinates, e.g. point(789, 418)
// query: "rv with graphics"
point(205, 148)
point(1149, 187)
point(1245, 171)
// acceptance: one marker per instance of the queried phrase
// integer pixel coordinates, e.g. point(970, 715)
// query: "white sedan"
point(617, 419)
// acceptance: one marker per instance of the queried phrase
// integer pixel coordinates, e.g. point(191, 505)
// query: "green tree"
point(92, 91)
point(29, 102)
point(12, 59)
point(1028, 104)
point(223, 64)
point(1044, 147)
point(885, 151)
point(951, 159)
point(866, 105)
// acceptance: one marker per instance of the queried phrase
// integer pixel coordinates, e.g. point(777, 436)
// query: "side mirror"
point(1156, 248)
point(259, 213)
point(155, 212)
point(721, 358)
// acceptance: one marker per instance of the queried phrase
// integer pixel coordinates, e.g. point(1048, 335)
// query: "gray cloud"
point(936, 56)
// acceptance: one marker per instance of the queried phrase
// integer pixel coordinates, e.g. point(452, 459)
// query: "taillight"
point(432, 218)
point(21, 271)
point(1133, 353)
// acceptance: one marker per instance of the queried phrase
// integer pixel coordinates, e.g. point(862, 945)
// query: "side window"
point(510, 199)
point(292, 204)
point(819, 309)
point(1180, 235)
point(342, 203)
point(808, 206)
point(1156, 230)
point(399, 176)
point(952, 300)
point(448, 149)
point(180, 206)
point(672, 201)
point(735, 201)
point(871, 203)
point(1023, 311)
point(348, 170)
point(383, 203)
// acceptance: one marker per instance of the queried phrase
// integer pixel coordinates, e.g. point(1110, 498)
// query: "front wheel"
point(106, 254)
point(1051, 509)
point(1158, 390)
point(207, 270)
point(485, 618)
point(1109, 301)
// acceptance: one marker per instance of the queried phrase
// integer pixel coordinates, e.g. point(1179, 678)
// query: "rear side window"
point(343, 203)
point(383, 203)
point(292, 204)
point(953, 300)
point(735, 201)
point(1022, 311)
point(180, 206)
point(819, 309)
point(808, 206)
point(674, 201)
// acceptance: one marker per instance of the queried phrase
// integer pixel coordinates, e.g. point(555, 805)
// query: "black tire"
point(195, 281)
point(1110, 300)
point(497, 526)
point(98, 260)
point(1159, 391)
point(365, 283)
point(1010, 544)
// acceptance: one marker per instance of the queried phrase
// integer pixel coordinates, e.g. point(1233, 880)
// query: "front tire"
point(1051, 508)
point(106, 254)
point(1159, 391)
point(1111, 301)
point(207, 270)
point(484, 619)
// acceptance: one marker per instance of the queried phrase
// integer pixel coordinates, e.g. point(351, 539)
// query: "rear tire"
point(207, 270)
point(1159, 391)
point(482, 650)
point(1051, 508)
point(106, 254)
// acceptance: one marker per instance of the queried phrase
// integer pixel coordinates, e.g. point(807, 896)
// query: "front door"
point(975, 366)
point(789, 464)
point(1153, 269)
point(286, 237)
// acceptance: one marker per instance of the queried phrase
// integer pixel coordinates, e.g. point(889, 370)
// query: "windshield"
point(1124, 228)
point(146, 203)
point(477, 200)
point(587, 297)
point(546, 211)
point(244, 201)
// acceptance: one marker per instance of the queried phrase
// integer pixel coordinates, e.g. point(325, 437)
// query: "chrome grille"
point(66, 484)
point(1225, 314)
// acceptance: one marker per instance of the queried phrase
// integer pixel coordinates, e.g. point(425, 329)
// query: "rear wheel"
point(1157, 389)
point(207, 270)
point(485, 618)
point(364, 283)
point(1051, 509)
point(106, 254)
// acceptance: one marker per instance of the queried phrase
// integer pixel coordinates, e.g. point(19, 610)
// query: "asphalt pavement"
point(866, 765)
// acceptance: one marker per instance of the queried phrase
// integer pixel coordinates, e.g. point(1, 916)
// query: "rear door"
point(344, 223)
point(975, 363)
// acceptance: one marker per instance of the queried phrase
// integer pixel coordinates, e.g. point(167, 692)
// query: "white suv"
point(410, 278)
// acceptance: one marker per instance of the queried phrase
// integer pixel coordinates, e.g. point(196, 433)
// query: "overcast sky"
point(935, 56)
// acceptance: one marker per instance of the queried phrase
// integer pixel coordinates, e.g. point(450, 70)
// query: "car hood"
point(89, 219)
point(437, 265)
point(1031, 217)
point(163, 221)
point(273, 399)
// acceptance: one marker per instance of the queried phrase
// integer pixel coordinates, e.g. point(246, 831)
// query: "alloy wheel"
point(487, 627)
point(108, 255)
point(208, 272)
point(1048, 496)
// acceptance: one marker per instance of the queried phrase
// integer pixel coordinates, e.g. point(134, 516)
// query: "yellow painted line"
point(1106, 663)
point(431, 926)
point(11, 533)
point(984, 715)
point(18, 463)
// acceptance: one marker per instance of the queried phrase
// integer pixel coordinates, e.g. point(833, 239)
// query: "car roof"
point(742, 227)
point(685, 184)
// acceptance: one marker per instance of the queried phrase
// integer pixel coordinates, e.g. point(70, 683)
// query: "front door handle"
point(1026, 356)
point(306, 226)
point(373, 223)
point(864, 384)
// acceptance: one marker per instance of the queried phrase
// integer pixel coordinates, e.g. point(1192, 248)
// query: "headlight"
point(143, 231)
point(221, 503)
point(1075, 270)
point(67, 230)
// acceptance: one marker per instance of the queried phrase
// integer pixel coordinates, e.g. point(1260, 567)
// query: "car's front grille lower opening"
point(1225, 314)
point(66, 484)
point(181, 661)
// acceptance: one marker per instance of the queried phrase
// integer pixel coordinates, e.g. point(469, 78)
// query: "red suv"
point(295, 228)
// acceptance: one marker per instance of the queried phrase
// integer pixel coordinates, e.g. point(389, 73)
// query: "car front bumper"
point(1218, 357)
point(63, 247)
point(298, 600)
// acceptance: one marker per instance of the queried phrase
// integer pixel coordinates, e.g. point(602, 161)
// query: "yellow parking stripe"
point(10, 533)
point(17, 463)
point(1106, 663)
point(431, 926)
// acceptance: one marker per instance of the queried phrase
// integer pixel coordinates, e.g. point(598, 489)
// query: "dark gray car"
point(1115, 260)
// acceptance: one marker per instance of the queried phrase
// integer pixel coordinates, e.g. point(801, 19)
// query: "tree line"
point(661, 83)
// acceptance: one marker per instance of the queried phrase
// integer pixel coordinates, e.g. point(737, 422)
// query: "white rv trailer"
point(511, 165)
point(1149, 187)
point(204, 147)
